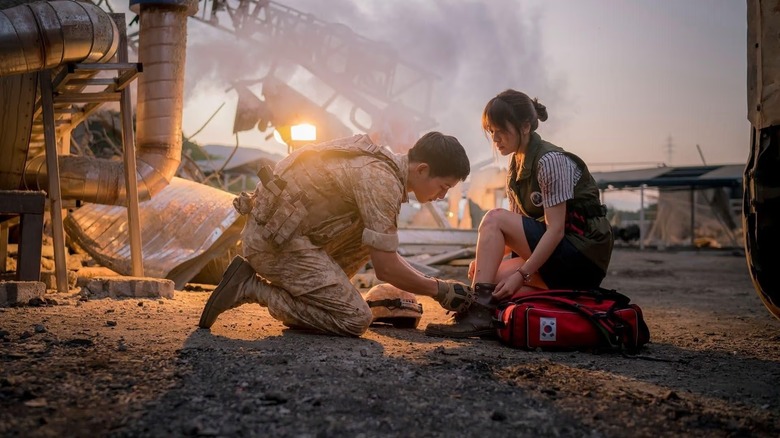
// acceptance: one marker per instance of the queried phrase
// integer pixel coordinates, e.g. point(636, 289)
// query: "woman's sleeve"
point(557, 175)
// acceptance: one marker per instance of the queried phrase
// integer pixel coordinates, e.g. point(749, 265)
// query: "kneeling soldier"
point(319, 216)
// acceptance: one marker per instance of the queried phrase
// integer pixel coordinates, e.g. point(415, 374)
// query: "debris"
point(671, 395)
point(39, 402)
point(445, 257)
point(79, 342)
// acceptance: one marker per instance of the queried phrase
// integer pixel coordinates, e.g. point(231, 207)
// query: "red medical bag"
point(597, 320)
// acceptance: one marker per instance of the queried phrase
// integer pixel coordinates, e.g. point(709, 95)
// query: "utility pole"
point(701, 155)
point(669, 150)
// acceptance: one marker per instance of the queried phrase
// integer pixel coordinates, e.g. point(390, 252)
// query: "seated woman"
point(556, 228)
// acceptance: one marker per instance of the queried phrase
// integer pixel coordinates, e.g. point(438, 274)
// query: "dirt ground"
point(126, 368)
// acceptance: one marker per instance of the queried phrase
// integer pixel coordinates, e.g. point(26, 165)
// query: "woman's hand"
point(472, 267)
point(508, 286)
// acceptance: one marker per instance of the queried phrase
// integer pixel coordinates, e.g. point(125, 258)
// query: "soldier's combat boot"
point(475, 321)
point(239, 285)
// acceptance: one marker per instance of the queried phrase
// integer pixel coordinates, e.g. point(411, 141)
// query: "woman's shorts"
point(567, 267)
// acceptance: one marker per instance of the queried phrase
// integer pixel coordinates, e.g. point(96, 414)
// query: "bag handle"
point(598, 293)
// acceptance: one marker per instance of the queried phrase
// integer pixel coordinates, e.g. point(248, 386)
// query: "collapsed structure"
point(61, 51)
point(53, 55)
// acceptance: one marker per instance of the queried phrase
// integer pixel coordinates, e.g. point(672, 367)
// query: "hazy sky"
point(619, 78)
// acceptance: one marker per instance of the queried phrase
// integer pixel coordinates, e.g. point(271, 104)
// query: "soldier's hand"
point(454, 295)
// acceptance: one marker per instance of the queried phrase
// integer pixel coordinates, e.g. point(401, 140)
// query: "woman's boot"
point(476, 321)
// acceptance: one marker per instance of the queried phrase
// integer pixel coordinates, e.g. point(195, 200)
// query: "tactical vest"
point(291, 199)
point(593, 236)
point(359, 144)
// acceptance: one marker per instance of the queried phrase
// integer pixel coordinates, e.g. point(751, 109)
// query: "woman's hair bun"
point(541, 110)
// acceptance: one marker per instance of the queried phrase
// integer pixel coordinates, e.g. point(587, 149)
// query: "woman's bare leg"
point(499, 229)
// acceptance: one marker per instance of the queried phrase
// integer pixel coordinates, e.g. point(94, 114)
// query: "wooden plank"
point(442, 258)
point(87, 97)
point(3, 245)
point(78, 67)
point(54, 193)
point(28, 265)
point(437, 236)
point(21, 201)
point(427, 270)
point(408, 250)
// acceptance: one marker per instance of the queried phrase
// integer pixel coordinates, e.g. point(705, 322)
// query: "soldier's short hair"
point(444, 154)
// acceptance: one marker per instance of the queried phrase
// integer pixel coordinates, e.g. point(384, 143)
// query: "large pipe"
point(162, 45)
point(42, 35)
point(34, 37)
point(161, 50)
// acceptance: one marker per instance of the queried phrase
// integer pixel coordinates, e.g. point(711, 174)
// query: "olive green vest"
point(523, 187)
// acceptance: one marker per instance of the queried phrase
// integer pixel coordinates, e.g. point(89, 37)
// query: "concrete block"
point(129, 287)
point(86, 274)
point(49, 278)
point(47, 264)
point(20, 292)
point(10, 264)
point(47, 251)
point(76, 261)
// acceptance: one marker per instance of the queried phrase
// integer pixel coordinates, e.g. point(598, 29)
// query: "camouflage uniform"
point(349, 196)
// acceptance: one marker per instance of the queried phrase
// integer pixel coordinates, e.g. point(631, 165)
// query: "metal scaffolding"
point(67, 97)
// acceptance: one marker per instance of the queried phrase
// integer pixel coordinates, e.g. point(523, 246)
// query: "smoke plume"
point(475, 48)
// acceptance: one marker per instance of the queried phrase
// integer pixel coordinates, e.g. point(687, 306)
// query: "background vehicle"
point(761, 207)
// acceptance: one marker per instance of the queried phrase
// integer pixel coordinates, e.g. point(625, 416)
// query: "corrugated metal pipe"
point(34, 37)
point(37, 36)
point(162, 46)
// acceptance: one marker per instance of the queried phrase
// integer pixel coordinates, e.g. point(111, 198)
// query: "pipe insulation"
point(34, 37)
point(43, 35)
point(162, 47)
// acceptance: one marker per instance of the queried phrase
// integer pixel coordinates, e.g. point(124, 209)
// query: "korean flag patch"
point(548, 329)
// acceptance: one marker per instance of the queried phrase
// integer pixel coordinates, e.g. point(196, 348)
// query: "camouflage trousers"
point(308, 289)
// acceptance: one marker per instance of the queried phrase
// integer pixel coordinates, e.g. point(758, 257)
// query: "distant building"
point(234, 169)
point(698, 205)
